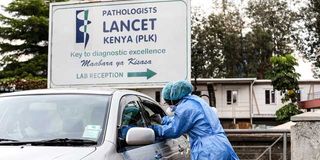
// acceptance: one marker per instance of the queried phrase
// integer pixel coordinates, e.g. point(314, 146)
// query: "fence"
point(260, 144)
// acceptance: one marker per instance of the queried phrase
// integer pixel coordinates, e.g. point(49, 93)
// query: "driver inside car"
point(131, 118)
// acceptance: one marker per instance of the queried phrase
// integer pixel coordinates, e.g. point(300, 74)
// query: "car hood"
point(44, 152)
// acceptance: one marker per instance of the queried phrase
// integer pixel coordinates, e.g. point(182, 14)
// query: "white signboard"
point(119, 44)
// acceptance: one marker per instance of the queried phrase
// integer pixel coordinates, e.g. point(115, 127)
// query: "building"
point(244, 101)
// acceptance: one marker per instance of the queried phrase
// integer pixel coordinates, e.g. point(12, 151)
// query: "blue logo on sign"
point(82, 23)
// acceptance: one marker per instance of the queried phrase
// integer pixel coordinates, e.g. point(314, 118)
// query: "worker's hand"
point(156, 118)
point(169, 111)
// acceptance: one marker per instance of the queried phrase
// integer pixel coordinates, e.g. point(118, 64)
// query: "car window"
point(131, 116)
point(43, 117)
point(152, 111)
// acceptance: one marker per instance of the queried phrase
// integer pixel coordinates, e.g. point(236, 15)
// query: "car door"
point(169, 148)
point(131, 116)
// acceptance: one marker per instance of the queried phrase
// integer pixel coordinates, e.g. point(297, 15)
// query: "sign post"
point(119, 44)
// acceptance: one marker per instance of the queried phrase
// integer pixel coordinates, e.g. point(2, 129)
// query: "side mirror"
point(140, 136)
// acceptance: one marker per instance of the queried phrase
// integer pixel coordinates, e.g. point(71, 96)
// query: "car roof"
point(94, 90)
point(61, 91)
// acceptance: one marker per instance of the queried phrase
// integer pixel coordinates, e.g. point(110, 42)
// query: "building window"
point(232, 97)
point(270, 97)
point(157, 96)
point(273, 97)
point(228, 97)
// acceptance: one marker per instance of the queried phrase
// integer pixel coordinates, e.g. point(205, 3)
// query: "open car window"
point(151, 111)
point(130, 116)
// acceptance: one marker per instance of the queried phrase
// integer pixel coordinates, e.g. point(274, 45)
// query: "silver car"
point(73, 124)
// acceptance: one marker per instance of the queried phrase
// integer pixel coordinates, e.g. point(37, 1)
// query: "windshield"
point(45, 117)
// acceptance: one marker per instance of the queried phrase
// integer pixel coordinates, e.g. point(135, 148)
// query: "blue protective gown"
point(196, 118)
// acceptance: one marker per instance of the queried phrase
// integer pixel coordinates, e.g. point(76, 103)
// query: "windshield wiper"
point(5, 139)
point(64, 142)
point(52, 142)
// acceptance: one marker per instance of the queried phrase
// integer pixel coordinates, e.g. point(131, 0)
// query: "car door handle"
point(158, 155)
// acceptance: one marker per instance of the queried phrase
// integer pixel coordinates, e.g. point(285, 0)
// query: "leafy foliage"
point(224, 44)
point(272, 30)
point(24, 39)
point(217, 48)
point(284, 113)
point(24, 43)
point(13, 84)
point(35, 67)
point(200, 57)
point(308, 41)
point(285, 79)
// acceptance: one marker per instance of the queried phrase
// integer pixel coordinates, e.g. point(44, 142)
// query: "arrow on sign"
point(147, 74)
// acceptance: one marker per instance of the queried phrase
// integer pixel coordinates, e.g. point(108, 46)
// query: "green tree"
point(198, 56)
point(272, 29)
point(24, 39)
point(285, 79)
point(258, 46)
point(212, 44)
point(308, 39)
point(232, 47)
point(216, 46)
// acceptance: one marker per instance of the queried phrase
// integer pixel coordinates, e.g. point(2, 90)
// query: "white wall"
point(238, 110)
point(307, 91)
point(242, 108)
point(260, 108)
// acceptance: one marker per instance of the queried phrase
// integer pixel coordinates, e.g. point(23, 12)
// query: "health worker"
point(193, 116)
